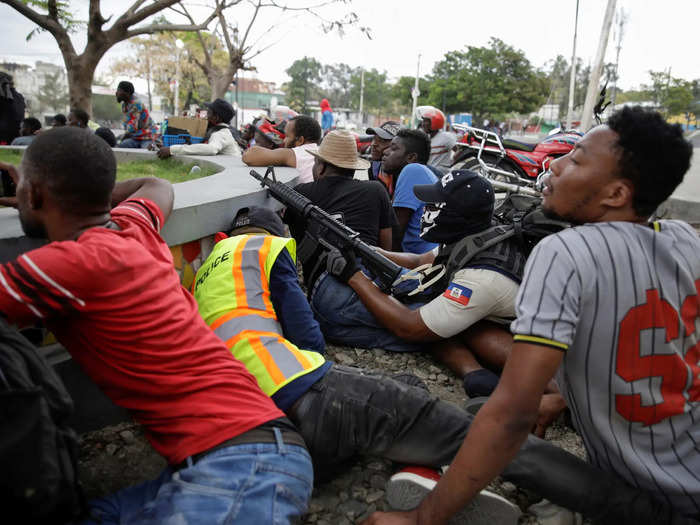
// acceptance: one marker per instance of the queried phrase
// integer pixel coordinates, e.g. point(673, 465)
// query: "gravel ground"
point(119, 456)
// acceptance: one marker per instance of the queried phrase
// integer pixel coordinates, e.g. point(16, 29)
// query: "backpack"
point(518, 217)
point(38, 451)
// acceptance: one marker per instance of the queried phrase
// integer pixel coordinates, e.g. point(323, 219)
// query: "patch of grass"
point(11, 156)
point(170, 169)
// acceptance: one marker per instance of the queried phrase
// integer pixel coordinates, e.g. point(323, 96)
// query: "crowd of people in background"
point(230, 379)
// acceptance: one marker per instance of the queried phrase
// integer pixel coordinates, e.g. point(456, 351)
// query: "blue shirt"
point(326, 120)
point(298, 326)
point(411, 175)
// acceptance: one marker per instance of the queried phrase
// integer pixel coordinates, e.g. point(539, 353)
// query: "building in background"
point(44, 87)
point(251, 97)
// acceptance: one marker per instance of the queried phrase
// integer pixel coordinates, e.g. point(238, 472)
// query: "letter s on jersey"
point(673, 370)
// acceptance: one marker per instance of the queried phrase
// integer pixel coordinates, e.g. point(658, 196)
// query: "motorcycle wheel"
point(474, 165)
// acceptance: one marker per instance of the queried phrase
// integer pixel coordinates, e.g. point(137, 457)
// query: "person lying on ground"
point(248, 292)
point(218, 139)
point(301, 136)
point(106, 287)
point(611, 307)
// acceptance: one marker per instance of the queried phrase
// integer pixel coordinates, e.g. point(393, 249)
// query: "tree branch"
point(95, 20)
point(157, 28)
point(207, 55)
point(52, 8)
point(250, 25)
point(227, 38)
point(307, 8)
point(42, 21)
point(134, 14)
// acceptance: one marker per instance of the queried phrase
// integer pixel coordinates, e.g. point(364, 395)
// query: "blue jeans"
point(134, 144)
point(250, 483)
point(345, 320)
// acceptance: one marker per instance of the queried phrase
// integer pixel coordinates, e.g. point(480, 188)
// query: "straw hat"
point(340, 149)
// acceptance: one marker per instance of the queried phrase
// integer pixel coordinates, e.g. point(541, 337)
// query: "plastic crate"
point(171, 140)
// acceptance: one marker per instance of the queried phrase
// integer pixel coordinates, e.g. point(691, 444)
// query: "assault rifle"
point(324, 230)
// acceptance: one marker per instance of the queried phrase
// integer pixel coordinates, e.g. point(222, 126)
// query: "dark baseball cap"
point(222, 108)
point(469, 201)
point(259, 217)
point(386, 131)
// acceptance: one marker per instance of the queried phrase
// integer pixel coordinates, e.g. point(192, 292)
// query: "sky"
point(657, 35)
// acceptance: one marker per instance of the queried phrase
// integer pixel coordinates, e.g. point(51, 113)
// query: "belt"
point(257, 435)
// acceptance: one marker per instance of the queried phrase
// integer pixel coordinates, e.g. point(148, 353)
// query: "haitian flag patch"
point(458, 293)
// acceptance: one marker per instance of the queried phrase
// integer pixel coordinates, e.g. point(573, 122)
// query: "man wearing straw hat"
point(361, 205)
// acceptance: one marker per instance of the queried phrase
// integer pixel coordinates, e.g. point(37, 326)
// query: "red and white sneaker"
point(407, 488)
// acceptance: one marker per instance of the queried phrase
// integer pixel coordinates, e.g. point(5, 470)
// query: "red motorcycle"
point(509, 160)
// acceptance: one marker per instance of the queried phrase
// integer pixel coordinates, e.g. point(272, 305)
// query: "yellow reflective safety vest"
point(232, 289)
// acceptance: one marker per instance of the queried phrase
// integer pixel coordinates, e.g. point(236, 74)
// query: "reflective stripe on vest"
point(233, 293)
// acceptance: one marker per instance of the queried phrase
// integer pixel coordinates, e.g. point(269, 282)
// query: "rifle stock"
point(329, 230)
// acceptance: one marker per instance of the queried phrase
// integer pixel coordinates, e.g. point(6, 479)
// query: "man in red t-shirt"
point(106, 287)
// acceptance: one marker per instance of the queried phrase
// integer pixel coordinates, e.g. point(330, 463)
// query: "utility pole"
point(572, 78)
point(179, 44)
point(621, 20)
point(238, 106)
point(362, 95)
point(415, 92)
point(592, 93)
point(306, 83)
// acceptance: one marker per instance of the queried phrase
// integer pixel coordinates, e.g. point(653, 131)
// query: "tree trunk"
point(80, 76)
point(220, 81)
point(220, 84)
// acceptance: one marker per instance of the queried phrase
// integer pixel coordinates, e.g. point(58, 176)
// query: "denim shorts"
point(345, 320)
point(251, 483)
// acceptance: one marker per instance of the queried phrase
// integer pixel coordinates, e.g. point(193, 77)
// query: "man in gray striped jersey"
point(612, 308)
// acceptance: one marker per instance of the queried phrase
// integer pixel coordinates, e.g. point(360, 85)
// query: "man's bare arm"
point(403, 216)
point(385, 238)
point(257, 156)
point(157, 190)
point(394, 316)
point(408, 260)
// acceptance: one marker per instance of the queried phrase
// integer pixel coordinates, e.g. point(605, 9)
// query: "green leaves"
point(305, 76)
point(490, 80)
point(59, 11)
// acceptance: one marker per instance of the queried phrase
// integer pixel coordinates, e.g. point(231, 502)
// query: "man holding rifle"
point(361, 205)
point(460, 204)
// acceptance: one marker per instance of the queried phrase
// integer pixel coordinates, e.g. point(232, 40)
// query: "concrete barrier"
point(202, 206)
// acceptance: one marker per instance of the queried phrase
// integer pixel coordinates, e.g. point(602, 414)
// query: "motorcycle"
point(487, 153)
point(512, 161)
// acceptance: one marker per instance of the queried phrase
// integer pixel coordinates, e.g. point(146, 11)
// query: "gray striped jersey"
point(621, 300)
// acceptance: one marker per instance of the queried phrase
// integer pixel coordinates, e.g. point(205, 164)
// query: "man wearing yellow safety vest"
point(248, 293)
